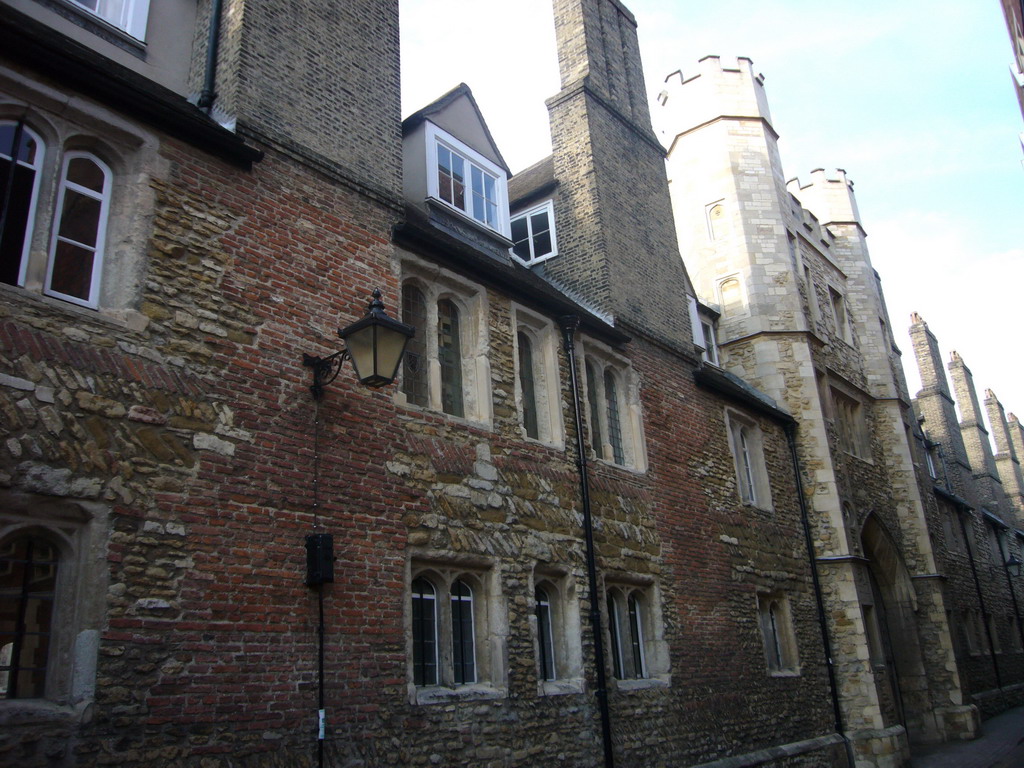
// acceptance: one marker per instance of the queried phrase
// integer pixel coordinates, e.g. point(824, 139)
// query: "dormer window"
point(127, 15)
point(467, 181)
point(533, 234)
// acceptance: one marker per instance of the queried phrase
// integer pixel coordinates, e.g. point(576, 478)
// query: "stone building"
point(803, 318)
point(579, 529)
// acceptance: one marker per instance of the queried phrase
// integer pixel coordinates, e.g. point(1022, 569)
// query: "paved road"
point(1001, 745)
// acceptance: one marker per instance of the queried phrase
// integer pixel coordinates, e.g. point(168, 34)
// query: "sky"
point(913, 99)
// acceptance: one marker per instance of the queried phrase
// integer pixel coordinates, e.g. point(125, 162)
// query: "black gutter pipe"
point(981, 601)
point(208, 95)
point(826, 641)
point(569, 324)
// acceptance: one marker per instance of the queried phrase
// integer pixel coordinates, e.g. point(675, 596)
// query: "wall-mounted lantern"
point(375, 345)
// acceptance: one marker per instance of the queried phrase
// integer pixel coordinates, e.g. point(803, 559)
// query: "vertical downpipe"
point(826, 641)
point(208, 94)
point(569, 324)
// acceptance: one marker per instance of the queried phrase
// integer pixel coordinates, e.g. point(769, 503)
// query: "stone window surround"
point(434, 136)
point(547, 206)
point(546, 375)
point(628, 391)
point(78, 126)
point(565, 629)
point(746, 443)
point(489, 620)
point(840, 314)
point(656, 659)
point(79, 530)
point(849, 414)
point(777, 633)
point(438, 283)
point(713, 212)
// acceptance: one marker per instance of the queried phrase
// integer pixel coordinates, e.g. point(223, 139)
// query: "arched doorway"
point(889, 604)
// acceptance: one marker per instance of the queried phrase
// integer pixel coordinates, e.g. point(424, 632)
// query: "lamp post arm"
point(325, 370)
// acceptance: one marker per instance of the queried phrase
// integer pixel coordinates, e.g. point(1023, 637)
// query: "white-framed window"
point(533, 234)
point(446, 366)
point(51, 598)
point(56, 218)
point(850, 424)
point(127, 15)
point(839, 314)
point(780, 649)
point(746, 442)
point(556, 623)
point(538, 390)
point(80, 224)
point(710, 352)
point(466, 181)
point(613, 408)
point(637, 653)
point(455, 632)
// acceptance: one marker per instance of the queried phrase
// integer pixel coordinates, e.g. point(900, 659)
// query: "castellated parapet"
point(831, 200)
point(716, 90)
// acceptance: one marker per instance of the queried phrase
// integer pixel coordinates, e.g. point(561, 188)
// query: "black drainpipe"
point(826, 642)
point(569, 324)
point(207, 96)
point(981, 601)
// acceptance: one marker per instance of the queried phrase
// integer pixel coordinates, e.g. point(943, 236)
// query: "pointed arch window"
point(611, 395)
point(527, 385)
point(613, 412)
point(545, 634)
point(28, 583)
point(463, 635)
point(626, 634)
point(449, 353)
point(424, 632)
point(414, 362)
point(596, 440)
point(76, 254)
point(19, 190)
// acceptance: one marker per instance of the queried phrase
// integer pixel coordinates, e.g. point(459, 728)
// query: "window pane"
point(463, 643)
point(541, 244)
point(27, 145)
point(16, 221)
point(613, 633)
point(458, 182)
point(636, 638)
point(526, 385)
point(84, 172)
point(424, 633)
point(614, 427)
point(596, 441)
point(80, 218)
point(72, 270)
point(479, 207)
point(449, 353)
point(521, 238)
point(414, 363)
point(544, 635)
point(28, 577)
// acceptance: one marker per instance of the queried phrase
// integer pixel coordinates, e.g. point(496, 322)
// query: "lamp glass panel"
point(360, 346)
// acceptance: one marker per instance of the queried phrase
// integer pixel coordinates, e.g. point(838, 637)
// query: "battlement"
point(830, 198)
point(718, 88)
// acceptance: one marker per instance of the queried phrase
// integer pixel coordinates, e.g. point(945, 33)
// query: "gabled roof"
point(421, 236)
point(532, 183)
point(437, 108)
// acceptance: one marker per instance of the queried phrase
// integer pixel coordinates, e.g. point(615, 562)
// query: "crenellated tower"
point(803, 318)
